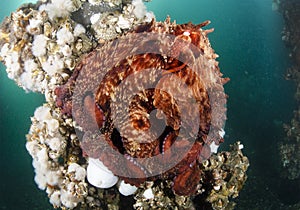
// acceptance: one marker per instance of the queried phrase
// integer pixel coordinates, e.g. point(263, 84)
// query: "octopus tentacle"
point(121, 107)
point(203, 24)
point(186, 182)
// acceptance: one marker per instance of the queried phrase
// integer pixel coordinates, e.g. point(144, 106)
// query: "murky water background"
point(247, 38)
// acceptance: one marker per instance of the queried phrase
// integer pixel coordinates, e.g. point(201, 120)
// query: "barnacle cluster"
point(223, 176)
point(290, 147)
point(38, 51)
point(43, 44)
point(228, 170)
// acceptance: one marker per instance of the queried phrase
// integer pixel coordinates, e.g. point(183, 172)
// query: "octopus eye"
point(186, 33)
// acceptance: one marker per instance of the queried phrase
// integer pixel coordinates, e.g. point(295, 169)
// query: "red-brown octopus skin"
point(186, 174)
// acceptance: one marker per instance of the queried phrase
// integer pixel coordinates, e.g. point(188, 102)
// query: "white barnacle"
point(34, 25)
point(217, 187)
point(214, 147)
point(32, 147)
point(80, 174)
point(99, 175)
point(66, 50)
point(67, 198)
point(127, 189)
point(79, 29)
point(13, 65)
point(139, 8)
point(39, 45)
point(148, 194)
point(54, 143)
point(53, 65)
point(30, 65)
point(123, 23)
point(64, 36)
point(79, 171)
point(42, 113)
point(53, 178)
point(58, 8)
point(27, 81)
point(55, 198)
point(4, 50)
point(94, 18)
point(40, 180)
point(52, 125)
point(222, 133)
point(149, 16)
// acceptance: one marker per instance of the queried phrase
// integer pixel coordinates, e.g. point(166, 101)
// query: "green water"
point(17, 188)
point(247, 38)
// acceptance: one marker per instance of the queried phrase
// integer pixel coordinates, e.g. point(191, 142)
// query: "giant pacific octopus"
point(97, 109)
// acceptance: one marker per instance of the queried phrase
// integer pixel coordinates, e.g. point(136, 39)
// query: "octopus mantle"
point(158, 132)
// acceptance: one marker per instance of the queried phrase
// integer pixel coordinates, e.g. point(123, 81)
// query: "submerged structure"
point(135, 108)
point(289, 147)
